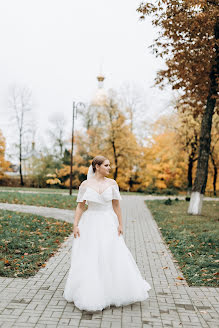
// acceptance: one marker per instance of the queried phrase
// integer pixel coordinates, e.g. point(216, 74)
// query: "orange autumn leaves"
point(165, 163)
point(4, 165)
point(160, 162)
point(187, 42)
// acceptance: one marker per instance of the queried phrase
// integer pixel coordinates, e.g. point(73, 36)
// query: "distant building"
point(100, 97)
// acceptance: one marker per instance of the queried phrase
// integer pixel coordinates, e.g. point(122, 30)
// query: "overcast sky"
point(56, 49)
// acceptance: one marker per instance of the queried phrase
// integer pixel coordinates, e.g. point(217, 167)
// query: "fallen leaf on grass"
point(180, 278)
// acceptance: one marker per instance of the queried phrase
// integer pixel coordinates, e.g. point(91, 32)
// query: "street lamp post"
point(74, 116)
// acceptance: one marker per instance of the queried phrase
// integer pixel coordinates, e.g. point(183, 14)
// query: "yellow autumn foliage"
point(4, 165)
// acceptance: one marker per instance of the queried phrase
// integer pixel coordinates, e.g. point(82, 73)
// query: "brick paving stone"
point(37, 301)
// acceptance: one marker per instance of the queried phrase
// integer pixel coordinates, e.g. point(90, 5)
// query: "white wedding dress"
point(103, 271)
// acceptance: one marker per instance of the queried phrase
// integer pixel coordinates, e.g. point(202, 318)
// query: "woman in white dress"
point(103, 271)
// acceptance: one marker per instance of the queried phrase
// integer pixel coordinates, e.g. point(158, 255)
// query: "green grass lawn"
point(66, 191)
point(193, 240)
point(49, 200)
point(55, 191)
point(27, 241)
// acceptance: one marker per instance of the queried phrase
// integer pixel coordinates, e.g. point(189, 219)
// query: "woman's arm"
point(78, 212)
point(117, 210)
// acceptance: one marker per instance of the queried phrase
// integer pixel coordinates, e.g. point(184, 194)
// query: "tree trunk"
point(215, 174)
point(195, 205)
point(20, 162)
point(115, 160)
point(189, 174)
point(21, 175)
point(192, 159)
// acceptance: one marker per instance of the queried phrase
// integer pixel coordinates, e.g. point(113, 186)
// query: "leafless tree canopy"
point(20, 103)
point(57, 133)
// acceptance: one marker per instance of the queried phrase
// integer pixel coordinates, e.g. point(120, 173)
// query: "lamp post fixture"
point(76, 106)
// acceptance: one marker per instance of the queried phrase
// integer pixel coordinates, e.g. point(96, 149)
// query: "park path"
point(38, 301)
point(49, 212)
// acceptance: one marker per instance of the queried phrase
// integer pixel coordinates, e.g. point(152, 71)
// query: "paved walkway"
point(38, 302)
point(50, 212)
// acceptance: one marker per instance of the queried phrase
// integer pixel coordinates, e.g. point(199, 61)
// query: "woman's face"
point(104, 168)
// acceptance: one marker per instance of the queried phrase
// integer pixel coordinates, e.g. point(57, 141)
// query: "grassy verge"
point(193, 240)
point(27, 241)
point(66, 191)
point(58, 191)
point(49, 200)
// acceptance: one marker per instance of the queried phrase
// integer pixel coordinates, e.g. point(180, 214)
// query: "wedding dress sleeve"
point(116, 193)
point(81, 193)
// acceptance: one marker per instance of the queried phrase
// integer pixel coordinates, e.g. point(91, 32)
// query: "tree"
point(188, 40)
point(132, 101)
point(4, 165)
point(187, 130)
point(116, 138)
point(163, 164)
point(20, 102)
point(107, 134)
point(57, 134)
point(44, 167)
point(214, 152)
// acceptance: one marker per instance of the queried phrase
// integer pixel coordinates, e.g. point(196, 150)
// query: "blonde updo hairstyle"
point(97, 160)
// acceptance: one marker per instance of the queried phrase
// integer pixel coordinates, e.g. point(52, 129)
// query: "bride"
point(103, 271)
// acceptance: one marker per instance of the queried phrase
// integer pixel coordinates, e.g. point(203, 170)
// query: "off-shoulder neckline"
point(102, 191)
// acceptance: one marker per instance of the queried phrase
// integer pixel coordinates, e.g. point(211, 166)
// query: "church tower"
point(100, 79)
point(100, 97)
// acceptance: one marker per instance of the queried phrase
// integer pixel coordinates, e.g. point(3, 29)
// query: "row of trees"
point(25, 126)
point(167, 158)
point(23, 150)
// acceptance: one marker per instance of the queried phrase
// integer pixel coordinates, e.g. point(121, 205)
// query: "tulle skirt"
point(103, 271)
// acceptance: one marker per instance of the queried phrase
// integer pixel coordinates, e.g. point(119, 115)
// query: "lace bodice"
point(92, 196)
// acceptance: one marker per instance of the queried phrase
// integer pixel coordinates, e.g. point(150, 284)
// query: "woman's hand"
point(76, 231)
point(120, 231)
